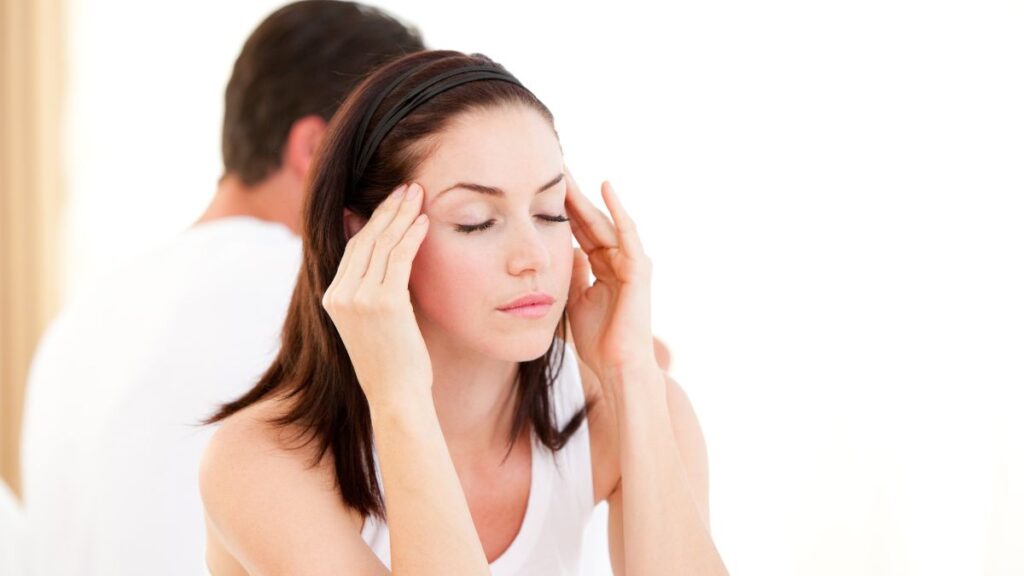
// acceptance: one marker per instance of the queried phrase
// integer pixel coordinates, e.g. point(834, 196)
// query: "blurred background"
point(832, 194)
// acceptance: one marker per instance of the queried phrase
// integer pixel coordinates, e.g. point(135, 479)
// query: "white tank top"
point(561, 500)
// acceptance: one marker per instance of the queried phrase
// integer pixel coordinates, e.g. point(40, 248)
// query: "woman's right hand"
point(369, 301)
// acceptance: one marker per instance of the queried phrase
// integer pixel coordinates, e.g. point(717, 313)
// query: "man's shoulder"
point(242, 231)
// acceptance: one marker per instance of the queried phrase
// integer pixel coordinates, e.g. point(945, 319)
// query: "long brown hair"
point(312, 366)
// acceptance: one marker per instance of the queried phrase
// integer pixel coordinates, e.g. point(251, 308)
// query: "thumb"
point(580, 275)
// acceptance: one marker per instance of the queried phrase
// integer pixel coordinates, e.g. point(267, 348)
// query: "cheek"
point(561, 264)
point(453, 287)
point(450, 287)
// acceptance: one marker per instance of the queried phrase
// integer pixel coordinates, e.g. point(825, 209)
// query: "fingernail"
point(414, 192)
point(397, 194)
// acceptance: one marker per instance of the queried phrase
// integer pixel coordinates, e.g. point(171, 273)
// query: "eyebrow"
point(493, 190)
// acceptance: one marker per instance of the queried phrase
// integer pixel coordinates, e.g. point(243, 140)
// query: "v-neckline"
point(536, 507)
point(515, 555)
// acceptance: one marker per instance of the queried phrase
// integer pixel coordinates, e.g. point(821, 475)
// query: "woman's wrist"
point(642, 370)
point(410, 407)
point(636, 386)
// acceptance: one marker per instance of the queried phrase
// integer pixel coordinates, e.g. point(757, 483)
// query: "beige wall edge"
point(32, 88)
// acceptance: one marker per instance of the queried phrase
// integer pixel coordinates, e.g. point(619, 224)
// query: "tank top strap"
point(573, 460)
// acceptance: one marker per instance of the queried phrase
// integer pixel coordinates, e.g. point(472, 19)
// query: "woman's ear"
point(353, 223)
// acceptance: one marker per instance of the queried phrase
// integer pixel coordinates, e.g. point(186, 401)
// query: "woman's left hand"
point(611, 319)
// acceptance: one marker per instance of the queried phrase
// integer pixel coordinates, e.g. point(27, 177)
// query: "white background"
point(832, 194)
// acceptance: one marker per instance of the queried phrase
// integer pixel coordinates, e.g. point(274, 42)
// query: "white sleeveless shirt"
point(560, 503)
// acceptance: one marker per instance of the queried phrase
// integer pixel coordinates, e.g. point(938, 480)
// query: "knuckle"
point(334, 302)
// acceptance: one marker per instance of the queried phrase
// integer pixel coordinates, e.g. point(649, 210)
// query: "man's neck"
point(274, 199)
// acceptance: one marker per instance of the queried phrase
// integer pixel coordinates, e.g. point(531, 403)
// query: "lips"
point(531, 299)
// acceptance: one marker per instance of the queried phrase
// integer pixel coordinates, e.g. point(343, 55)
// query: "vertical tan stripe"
point(31, 198)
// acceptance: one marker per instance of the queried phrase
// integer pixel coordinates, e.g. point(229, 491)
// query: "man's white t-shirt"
point(111, 445)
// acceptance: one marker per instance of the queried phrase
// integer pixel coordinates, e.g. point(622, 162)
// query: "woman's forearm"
point(432, 531)
point(663, 532)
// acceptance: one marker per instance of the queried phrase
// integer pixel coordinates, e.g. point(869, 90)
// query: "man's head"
point(292, 74)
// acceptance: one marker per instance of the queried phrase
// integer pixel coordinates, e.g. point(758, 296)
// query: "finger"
point(359, 246)
point(593, 224)
point(625, 226)
point(382, 215)
point(580, 280)
point(402, 255)
point(393, 234)
point(600, 265)
point(362, 244)
point(586, 242)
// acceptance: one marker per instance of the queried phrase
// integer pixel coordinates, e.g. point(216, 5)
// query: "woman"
point(424, 361)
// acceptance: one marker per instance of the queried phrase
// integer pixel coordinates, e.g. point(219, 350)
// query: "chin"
point(520, 346)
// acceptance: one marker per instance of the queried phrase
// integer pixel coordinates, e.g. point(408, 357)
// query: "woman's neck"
point(475, 399)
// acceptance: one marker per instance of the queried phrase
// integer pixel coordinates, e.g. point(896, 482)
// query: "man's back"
point(111, 442)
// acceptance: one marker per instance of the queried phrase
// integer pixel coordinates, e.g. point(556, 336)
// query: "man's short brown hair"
point(302, 60)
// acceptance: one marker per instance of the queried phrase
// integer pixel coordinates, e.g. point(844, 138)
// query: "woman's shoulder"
point(249, 437)
point(263, 491)
point(251, 432)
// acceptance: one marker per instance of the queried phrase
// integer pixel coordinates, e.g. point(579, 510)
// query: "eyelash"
point(466, 229)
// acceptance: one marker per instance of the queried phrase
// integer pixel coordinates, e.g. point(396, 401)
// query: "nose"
point(526, 248)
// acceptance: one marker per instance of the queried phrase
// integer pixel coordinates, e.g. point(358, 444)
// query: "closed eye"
point(468, 228)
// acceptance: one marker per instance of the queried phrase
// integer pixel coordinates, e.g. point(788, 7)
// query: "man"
point(111, 445)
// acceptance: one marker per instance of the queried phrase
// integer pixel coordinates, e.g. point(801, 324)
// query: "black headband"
point(364, 148)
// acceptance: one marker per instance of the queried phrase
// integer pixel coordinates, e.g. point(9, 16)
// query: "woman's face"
point(461, 276)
